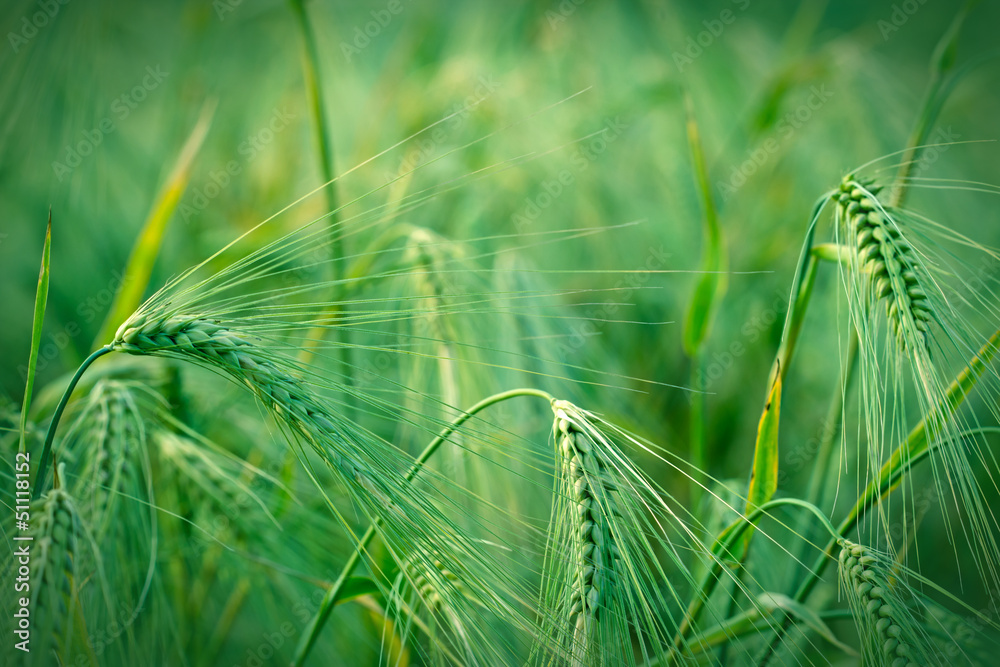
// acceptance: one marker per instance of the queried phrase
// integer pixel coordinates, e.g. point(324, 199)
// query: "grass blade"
point(710, 285)
point(41, 298)
point(707, 290)
point(764, 474)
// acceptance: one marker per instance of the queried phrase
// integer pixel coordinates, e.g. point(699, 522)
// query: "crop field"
point(643, 333)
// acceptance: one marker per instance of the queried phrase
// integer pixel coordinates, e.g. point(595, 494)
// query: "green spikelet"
point(443, 595)
point(884, 622)
point(594, 554)
point(54, 559)
point(426, 583)
point(112, 470)
point(887, 258)
point(200, 340)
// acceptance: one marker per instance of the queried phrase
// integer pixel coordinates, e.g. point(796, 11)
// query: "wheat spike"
point(428, 583)
point(116, 434)
point(887, 258)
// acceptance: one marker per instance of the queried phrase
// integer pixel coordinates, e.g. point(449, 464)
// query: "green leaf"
point(356, 587)
point(147, 247)
point(710, 285)
point(41, 299)
point(764, 475)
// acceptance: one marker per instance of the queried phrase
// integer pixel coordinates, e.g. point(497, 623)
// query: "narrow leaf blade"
point(41, 299)
point(764, 475)
point(710, 284)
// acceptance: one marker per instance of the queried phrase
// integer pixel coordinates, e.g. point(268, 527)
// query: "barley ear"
point(887, 259)
point(883, 620)
point(595, 555)
point(55, 575)
point(210, 344)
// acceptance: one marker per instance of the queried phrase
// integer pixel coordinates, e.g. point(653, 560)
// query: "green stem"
point(831, 427)
point(698, 448)
point(317, 109)
point(728, 539)
point(799, 296)
point(56, 416)
point(942, 62)
point(333, 593)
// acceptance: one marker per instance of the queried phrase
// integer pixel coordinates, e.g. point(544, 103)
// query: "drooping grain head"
point(594, 553)
point(883, 621)
point(209, 488)
point(887, 260)
point(111, 439)
point(426, 581)
point(54, 559)
point(221, 348)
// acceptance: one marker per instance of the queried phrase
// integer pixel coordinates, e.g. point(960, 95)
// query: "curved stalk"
point(731, 536)
point(56, 416)
point(333, 593)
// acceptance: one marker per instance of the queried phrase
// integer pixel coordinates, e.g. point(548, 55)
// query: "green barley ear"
point(371, 469)
point(613, 565)
point(876, 595)
point(595, 556)
point(427, 253)
point(110, 437)
point(202, 341)
point(209, 487)
point(887, 259)
point(54, 557)
point(896, 259)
